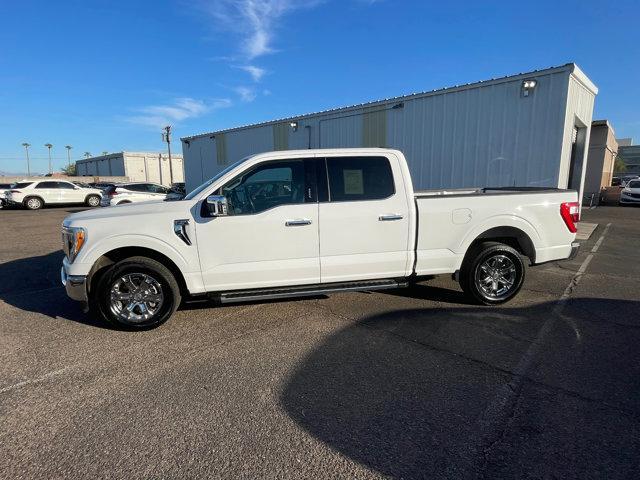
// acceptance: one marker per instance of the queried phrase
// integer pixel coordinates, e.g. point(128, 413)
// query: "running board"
point(306, 290)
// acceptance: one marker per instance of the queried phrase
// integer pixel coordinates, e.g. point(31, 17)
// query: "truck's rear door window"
point(359, 178)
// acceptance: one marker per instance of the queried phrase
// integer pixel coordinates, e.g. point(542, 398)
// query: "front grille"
point(635, 195)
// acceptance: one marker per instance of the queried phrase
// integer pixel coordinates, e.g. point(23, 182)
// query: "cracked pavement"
point(414, 383)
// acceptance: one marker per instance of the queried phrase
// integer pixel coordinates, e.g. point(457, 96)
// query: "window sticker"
point(353, 182)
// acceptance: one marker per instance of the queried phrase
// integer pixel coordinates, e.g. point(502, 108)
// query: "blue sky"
point(106, 75)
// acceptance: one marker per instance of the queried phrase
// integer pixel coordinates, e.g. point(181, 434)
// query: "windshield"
point(197, 191)
point(634, 184)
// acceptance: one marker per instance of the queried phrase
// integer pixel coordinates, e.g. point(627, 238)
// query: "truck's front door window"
point(266, 186)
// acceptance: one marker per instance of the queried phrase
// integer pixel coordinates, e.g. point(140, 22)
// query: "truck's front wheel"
point(136, 293)
point(492, 273)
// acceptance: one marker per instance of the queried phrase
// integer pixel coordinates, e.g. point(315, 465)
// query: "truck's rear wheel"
point(136, 293)
point(492, 273)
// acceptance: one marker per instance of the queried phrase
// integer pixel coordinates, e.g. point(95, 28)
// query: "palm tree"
point(87, 154)
point(68, 147)
point(48, 145)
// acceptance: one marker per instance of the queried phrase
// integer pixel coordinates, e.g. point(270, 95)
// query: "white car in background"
point(134, 192)
point(631, 193)
point(34, 194)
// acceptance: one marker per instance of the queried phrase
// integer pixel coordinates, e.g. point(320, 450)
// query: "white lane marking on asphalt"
point(599, 242)
point(496, 412)
point(44, 377)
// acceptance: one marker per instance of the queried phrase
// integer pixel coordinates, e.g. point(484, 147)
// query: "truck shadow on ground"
point(405, 392)
point(33, 284)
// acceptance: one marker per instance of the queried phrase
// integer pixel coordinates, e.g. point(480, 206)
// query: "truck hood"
point(130, 210)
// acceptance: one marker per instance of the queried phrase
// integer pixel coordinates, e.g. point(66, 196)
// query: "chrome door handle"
point(391, 217)
point(297, 223)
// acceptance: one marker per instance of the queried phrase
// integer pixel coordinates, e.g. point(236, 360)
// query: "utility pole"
point(48, 145)
point(160, 167)
point(68, 147)
point(166, 136)
point(26, 148)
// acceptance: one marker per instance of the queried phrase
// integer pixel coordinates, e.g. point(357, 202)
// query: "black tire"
point(92, 200)
point(488, 260)
point(33, 203)
point(113, 311)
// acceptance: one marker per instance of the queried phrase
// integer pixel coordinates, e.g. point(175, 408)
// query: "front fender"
point(82, 265)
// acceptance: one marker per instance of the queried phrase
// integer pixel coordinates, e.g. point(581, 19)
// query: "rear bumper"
point(575, 247)
point(75, 285)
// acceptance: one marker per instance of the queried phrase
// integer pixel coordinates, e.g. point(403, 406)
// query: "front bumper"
point(627, 199)
point(575, 247)
point(76, 285)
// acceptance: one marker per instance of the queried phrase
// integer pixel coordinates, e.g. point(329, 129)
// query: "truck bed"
point(468, 192)
point(446, 229)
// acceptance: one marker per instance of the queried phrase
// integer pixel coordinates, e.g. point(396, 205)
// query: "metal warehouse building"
point(137, 166)
point(529, 129)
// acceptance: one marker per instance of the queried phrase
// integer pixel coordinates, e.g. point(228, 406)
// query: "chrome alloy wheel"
point(136, 297)
point(94, 201)
point(496, 276)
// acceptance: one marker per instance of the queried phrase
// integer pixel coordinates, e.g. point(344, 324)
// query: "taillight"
point(570, 213)
point(111, 194)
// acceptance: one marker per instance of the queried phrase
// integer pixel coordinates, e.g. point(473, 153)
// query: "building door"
point(578, 138)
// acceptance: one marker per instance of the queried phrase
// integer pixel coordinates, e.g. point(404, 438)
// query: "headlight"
point(625, 193)
point(73, 239)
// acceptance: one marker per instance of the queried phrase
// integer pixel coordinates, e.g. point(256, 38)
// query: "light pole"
point(166, 136)
point(48, 145)
point(68, 147)
point(26, 148)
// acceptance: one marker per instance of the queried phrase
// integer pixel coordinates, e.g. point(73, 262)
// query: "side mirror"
point(217, 205)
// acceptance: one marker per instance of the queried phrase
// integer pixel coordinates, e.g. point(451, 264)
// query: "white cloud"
point(246, 94)
point(180, 109)
point(254, 20)
point(256, 72)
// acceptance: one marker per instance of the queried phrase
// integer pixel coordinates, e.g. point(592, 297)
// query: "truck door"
point(364, 219)
point(270, 237)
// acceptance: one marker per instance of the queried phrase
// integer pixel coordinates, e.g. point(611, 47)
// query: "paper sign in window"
point(353, 182)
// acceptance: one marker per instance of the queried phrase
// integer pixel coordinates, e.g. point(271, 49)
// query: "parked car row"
point(34, 194)
point(134, 192)
point(630, 194)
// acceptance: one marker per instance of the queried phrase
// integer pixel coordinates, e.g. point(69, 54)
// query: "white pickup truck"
point(309, 222)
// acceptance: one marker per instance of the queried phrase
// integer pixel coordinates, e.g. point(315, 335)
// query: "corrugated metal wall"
point(136, 166)
point(488, 134)
point(579, 113)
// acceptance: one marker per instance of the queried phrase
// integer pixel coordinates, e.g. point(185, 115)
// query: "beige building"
point(603, 149)
point(137, 166)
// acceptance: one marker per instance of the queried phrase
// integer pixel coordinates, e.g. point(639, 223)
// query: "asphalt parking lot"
point(409, 384)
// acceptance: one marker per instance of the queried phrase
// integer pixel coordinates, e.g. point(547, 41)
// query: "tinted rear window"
point(359, 178)
point(22, 184)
